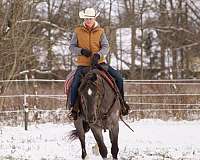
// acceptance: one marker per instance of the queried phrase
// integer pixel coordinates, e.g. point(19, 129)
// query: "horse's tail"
point(74, 133)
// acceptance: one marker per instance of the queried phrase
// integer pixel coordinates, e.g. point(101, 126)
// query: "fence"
point(164, 99)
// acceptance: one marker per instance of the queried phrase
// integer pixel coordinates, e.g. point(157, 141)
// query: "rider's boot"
point(125, 106)
point(73, 114)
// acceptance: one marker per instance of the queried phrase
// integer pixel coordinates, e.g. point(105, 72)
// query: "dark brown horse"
point(100, 110)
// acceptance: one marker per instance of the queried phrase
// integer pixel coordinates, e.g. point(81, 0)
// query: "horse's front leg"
point(113, 133)
point(97, 132)
point(81, 135)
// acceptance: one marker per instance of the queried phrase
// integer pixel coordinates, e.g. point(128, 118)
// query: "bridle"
point(100, 93)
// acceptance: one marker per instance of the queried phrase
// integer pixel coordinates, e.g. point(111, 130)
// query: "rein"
point(117, 94)
point(99, 92)
point(101, 95)
point(111, 106)
point(83, 102)
point(105, 115)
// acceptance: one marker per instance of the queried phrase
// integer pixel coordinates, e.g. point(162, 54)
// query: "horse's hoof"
point(84, 155)
point(86, 158)
point(109, 158)
point(95, 149)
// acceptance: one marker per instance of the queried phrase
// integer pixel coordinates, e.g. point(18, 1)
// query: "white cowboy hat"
point(88, 13)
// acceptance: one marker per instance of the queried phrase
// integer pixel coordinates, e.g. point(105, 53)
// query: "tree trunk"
point(49, 56)
point(163, 22)
point(133, 42)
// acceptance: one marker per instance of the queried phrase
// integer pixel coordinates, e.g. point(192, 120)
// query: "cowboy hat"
point(88, 13)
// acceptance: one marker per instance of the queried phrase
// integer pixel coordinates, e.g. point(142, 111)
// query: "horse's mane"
point(90, 77)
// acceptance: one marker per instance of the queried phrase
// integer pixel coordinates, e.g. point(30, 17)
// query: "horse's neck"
point(108, 89)
point(108, 96)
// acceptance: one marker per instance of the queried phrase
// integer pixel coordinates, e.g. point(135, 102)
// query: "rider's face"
point(89, 21)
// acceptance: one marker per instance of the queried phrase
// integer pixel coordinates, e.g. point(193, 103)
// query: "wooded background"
point(164, 43)
point(149, 40)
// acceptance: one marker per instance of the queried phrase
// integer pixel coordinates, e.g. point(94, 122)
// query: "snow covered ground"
point(152, 140)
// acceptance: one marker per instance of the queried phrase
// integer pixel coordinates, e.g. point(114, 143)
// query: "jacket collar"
point(94, 28)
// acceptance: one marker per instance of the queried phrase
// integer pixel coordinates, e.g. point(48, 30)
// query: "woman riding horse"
point(90, 46)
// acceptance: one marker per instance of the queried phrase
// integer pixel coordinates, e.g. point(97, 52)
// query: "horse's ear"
point(94, 77)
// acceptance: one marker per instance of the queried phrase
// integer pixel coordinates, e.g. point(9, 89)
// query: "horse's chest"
point(105, 123)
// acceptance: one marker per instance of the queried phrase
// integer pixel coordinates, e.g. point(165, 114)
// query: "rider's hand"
point(95, 59)
point(86, 52)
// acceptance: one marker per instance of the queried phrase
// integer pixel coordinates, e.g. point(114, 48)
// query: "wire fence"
point(139, 83)
point(171, 97)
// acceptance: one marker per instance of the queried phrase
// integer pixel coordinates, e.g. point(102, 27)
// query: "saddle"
point(70, 77)
point(68, 82)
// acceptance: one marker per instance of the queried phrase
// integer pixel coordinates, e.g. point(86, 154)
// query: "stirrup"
point(73, 115)
point(125, 109)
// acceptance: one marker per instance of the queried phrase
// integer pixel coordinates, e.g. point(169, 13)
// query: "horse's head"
point(90, 93)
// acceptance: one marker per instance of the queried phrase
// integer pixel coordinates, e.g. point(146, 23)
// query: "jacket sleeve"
point(104, 45)
point(73, 47)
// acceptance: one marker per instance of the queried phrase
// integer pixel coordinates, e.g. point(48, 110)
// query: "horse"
point(100, 110)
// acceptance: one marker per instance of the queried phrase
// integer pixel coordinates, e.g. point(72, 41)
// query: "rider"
point(90, 46)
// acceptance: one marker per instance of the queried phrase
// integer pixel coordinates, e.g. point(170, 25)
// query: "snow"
point(42, 7)
point(123, 40)
point(153, 139)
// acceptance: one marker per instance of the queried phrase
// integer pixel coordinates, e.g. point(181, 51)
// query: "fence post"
point(25, 112)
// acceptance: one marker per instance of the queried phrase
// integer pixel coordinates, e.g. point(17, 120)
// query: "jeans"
point(118, 79)
point(81, 71)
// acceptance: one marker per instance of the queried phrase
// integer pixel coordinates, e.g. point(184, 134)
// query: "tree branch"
point(40, 21)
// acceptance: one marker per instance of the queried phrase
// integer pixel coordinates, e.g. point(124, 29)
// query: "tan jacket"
point(94, 40)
